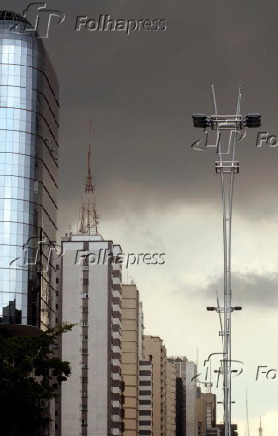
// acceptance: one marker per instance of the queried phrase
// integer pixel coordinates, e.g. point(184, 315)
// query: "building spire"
point(88, 216)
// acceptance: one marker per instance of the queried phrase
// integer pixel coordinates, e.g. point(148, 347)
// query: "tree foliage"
point(30, 375)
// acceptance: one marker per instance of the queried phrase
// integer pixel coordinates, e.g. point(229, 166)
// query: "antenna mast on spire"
point(88, 216)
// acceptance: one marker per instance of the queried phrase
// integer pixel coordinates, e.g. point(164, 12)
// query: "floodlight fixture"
point(227, 122)
point(201, 120)
point(252, 120)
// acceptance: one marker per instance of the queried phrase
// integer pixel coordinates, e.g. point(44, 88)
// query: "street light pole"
point(227, 167)
point(227, 175)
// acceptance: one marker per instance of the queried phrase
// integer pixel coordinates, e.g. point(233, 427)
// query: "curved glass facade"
point(28, 175)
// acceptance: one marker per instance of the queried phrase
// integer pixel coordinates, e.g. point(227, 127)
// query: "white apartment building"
point(89, 293)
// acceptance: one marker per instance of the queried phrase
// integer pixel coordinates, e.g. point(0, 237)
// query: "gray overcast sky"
point(141, 90)
point(156, 193)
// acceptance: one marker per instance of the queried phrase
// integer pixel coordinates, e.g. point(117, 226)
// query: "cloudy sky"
point(156, 194)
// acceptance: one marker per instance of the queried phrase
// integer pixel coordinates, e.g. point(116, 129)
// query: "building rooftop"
point(11, 16)
point(80, 238)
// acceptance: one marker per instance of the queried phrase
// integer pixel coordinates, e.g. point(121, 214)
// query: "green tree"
point(29, 376)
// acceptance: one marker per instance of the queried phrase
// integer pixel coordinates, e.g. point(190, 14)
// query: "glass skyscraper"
point(29, 109)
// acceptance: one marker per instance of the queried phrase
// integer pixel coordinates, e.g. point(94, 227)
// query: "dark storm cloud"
point(250, 289)
point(141, 90)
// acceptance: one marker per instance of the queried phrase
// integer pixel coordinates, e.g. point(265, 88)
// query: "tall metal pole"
point(226, 171)
point(227, 167)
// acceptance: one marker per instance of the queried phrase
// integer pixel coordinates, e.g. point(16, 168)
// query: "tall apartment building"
point(29, 106)
point(136, 372)
point(206, 414)
point(180, 407)
point(186, 371)
point(145, 408)
point(91, 297)
point(170, 399)
point(145, 398)
point(130, 357)
point(155, 352)
point(141, 332)
point(233, 429)
point(215, 431)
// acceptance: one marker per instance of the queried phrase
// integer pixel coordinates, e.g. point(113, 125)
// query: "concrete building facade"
point(90, 295)
point(130, 357)
point(206, 414)
point(170, 399)
point(155, 352)
point(180, 398)
point(145, 398)
point(233, 429)
point(145, 407)
point(186, 371)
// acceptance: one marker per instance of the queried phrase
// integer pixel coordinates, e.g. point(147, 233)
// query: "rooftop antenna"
point(209, 384)
point(260, 428)
point(238, 101)
point(197, 362)
point(226, 166)
point(247, 429)
point(88, 216)
point(214, 99)
point(197, 357)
